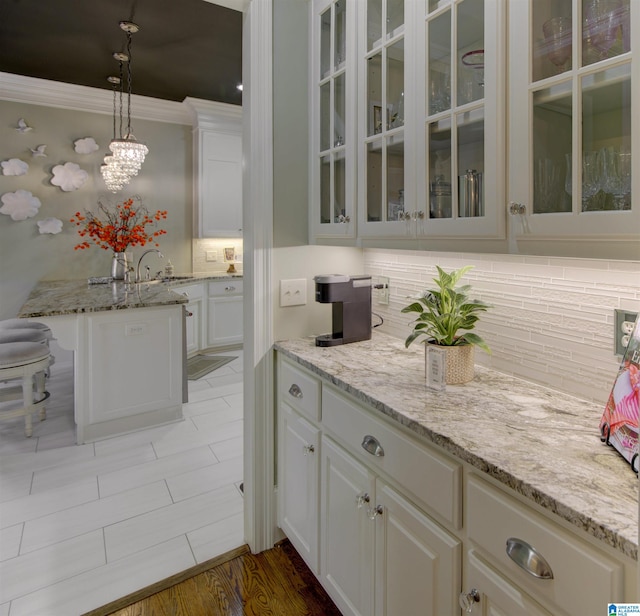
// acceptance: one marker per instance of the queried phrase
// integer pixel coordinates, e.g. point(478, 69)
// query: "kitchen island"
point(503, 458)
point(127, 343)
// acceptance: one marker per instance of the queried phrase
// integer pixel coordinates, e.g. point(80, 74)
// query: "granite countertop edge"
point(620, 536)
point(68, 297)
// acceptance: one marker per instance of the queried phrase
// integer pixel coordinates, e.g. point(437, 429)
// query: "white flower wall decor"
point(14, 166)
point(20, 205)
point(87, 145)
point(69, 176)
point(50, 225)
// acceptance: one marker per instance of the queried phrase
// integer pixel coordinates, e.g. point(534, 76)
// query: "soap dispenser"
point(168, 269)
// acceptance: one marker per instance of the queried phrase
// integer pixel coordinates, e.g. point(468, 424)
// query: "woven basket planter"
point(459, 365)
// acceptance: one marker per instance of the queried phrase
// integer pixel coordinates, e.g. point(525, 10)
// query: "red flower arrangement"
point(124, 226)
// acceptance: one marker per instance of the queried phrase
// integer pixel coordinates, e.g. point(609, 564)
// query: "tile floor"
point(81, 526)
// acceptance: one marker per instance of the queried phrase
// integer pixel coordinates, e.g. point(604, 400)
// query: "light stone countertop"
point(543, 444)
point(78, 296)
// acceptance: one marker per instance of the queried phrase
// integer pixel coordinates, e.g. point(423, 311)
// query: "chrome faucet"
point(146, 252)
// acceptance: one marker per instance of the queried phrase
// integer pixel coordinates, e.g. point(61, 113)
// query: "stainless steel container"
point(440, 198)
point(470, 194)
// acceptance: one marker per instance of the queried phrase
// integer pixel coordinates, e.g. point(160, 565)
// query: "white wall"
point(164, 183)
point(552, 317)
point(306, 262)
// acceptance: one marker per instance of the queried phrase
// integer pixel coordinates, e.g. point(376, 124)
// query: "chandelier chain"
point(129, 83)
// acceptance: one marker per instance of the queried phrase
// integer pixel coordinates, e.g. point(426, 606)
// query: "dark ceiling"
point(183, 48)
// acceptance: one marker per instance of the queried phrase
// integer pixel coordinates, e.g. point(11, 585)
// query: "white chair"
point(26, 362)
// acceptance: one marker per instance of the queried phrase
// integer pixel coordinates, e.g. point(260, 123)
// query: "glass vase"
point(119, 265)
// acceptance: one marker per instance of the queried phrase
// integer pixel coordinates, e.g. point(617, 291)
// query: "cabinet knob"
point(362, 500)
point(517, 208)
point(229, 288)
point(307, 449)
point(187, 313)
point(295, 391)
point(528, 558)
point(374, 512)
point(468, 599)
point(371, 445)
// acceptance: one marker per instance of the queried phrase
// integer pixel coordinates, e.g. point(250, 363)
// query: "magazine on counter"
point(619, 423)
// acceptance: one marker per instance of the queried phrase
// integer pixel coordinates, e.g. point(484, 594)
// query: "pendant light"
point(114, 177)
point(128, 151)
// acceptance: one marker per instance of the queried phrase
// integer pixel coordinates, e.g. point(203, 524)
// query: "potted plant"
point(445, 317)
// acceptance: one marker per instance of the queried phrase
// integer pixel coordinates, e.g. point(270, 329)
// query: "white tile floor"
point(81, 526)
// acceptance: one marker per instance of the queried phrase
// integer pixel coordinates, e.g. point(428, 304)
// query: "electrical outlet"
point(211, 255)
point(624, 321)
point(381, 289)
point(293, 292)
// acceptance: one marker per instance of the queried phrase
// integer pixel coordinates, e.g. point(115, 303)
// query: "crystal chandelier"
point(127, 153)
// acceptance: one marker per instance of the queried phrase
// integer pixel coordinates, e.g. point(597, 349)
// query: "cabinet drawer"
point(584, 579)
point(300, 390)
point(430, 477)
point(233, 286)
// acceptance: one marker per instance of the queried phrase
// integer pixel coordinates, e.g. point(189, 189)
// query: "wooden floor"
point(276, 582)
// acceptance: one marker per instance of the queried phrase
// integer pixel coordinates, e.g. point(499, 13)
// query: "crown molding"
point(35, 91)
point(212, 115)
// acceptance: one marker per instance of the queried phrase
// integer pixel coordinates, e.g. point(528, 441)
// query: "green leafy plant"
point(446, 314)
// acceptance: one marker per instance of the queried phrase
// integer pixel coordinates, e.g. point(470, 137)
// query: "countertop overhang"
point(53, 298)
point(541, 443)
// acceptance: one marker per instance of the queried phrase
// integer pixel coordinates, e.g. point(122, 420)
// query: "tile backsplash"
point(551, 319)
point(201, 247)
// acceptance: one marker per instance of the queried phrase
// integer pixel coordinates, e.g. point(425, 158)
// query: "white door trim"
point(259, 450)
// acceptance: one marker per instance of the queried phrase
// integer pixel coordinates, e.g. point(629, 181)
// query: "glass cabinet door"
point(461, 165)
point(382, 114)
point(333, 138)
point(572, 130)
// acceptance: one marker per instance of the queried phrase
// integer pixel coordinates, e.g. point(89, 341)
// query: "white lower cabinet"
point(224, 320)
point(299, 464)
point(378, 516)
point(490, 594)
point(380, 554)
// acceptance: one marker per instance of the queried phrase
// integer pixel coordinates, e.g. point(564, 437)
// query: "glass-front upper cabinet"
point(384, 108)
point(573, 135)
point(333, 87)
point(460, 186)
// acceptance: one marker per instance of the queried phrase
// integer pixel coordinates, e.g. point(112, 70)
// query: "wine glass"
point(591, 177)
point(557, 39)
point(602, 23)
point(617, 175)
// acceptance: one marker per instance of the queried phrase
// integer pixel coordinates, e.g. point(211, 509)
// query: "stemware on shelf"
point(616, 175)
point(591, 177)
point(603, 23)
point(557, 41)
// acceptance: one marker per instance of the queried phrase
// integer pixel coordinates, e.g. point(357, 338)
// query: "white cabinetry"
point(224, 320)
point(539, 557)
point(378, 515)
point(217, 163)
point(373, 549)
point(195, 319)
point(574, 82)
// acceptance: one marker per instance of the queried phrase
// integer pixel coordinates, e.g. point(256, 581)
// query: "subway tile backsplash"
point(551, 319)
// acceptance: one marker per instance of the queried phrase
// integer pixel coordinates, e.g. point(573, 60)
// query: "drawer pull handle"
point(229, 288)
point(526, 557)
point(362, 500)
point(295, 391)
point(371, 445)
point(307, 449)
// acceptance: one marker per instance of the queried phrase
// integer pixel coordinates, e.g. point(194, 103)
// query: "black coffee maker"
point(350, 297)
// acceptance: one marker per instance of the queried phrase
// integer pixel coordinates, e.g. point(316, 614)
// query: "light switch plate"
point(293, 292)
point(211, 255)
